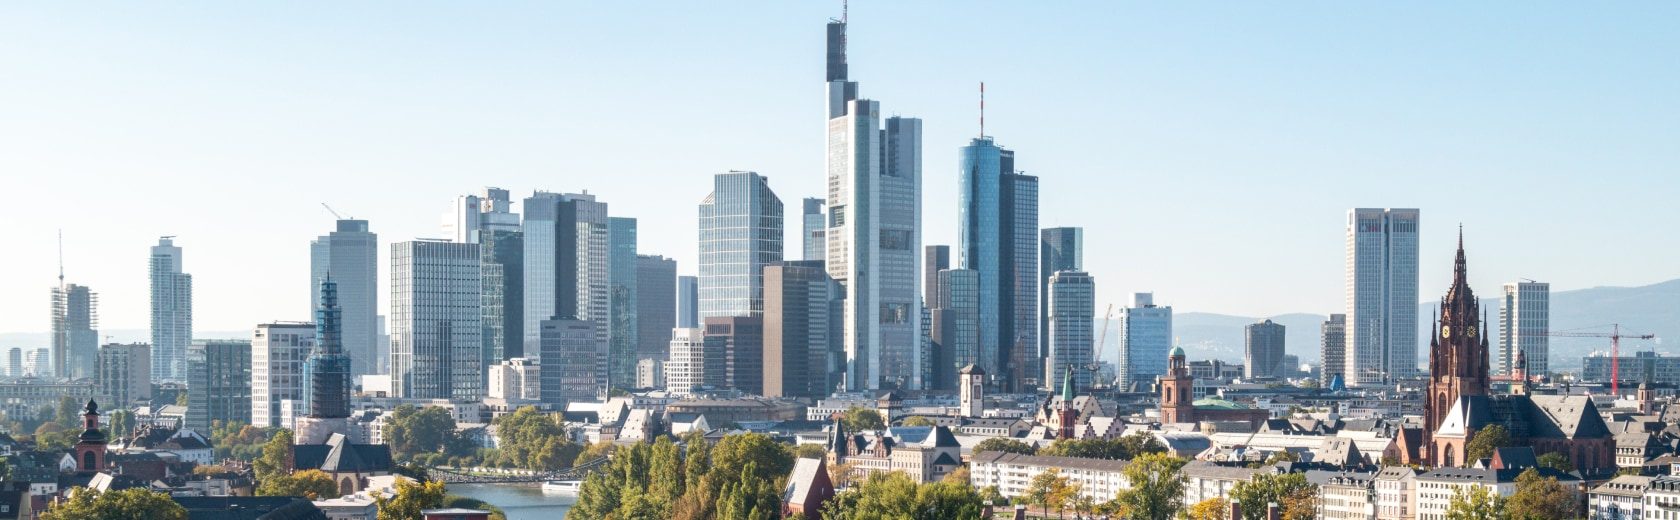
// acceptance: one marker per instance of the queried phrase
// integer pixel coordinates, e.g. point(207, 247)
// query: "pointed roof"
point(1067, 385)
point(1461, 278)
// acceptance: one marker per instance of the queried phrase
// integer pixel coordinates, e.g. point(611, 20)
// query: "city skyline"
point(1303, 267)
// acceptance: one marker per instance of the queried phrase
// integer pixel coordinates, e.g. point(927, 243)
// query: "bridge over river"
point(511, 476)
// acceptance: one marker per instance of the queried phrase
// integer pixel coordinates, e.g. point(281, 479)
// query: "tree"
point(1046, 490)
point(69, 412)
point(1556, 460)
point(415, 431)
point(961, 474)
point(858, 418)
point(916, 420)
point(1005, 445)
point(810, 451)
point(1539, 498)
point(1281, 456)
point(89, 504)
point(1157, 487)
point(272, 462)
point(894, 496)
point(1486, 440)
point(594, 451)
point(1124, 448)
point(535, 440)
point(1210, 509)
point(1478, 503)
point(313, 484)
point(410, 499)
point(1291, 492)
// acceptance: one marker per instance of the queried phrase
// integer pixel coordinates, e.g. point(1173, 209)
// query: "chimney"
point(986, 509)
point(1020, 512)
point(1273, 512)
point(1236, 510)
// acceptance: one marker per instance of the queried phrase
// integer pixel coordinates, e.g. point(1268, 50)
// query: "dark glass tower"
point(327, 371)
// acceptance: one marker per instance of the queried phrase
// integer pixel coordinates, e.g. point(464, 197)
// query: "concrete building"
point(955, 324)
point(567, 271)
point(1060, 249)
point(1012, 473)
point(277, 354)
point(1382, 295)
point(741, 340)
point(1073, 303)
point(38, 363)
point(1145, 332)
point(740, 234)
point(656, 306)
point(517, 379)
point(688, 302)
point(1622, 498)
point(350, 254)
point(171, 312)
point(694, 366)
point(1263, 349)
point(1646, 365)
point(436, 320)
point(650, 373)
point(75, 331)
point(14, 362)
point(815, 231)
point(219, 383)
point(1333, 348)
point(125, 373)
point(801, 330)
point(1396, 490)
point(568, 361)
point(998, 236)
point(1525, 319)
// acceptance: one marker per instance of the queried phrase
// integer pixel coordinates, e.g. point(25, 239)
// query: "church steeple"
point(1458, 348)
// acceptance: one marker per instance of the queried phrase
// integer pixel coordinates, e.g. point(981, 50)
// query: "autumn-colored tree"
point(1291, 492)
point(1539, 498)
point(1210, 509)
point(410, 499)
point(313, 484)
point(1157, 489)
point(1476, 503)
point(89, 504)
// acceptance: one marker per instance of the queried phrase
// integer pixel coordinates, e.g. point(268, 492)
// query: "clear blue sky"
point(1210, 149)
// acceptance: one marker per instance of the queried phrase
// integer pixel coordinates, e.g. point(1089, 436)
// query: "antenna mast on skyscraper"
point(843, 6)
point(982, 110)
point(61, 259)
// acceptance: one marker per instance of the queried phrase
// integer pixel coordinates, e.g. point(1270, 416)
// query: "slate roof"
point(1527, 417)
point(339, 455)
point(1625, 485)
point(1517, 457)
point(803, 480)
point(250, 508)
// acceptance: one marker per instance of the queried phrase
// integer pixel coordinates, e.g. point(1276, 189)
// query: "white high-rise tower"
point(171, 312)
point(1382, 295)
point(1525, 317)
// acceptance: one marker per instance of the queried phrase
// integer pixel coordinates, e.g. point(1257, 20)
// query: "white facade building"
point(436, 332)
point(515, 379)
point(1382, 295)
point(1622, 498)
point(692, 367)
point(1099, 480)
point(1525, 317)
point(277, 354)
point(1073, 304)
point(171, 313)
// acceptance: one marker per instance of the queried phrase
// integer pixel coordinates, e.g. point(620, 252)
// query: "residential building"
point(925, 453)
point(350, 254)
point(1396, 489)
point(567, 274)
point(1263, 347)
point(656, 306)
point(955, 325)
point(801, 330)
point(1435, 489)
point(1645, 365)
point(1072, 315)
point(219, 383)
point(694, 365)
point(622, 346)
point(1145, 332)
point(1622, 498)
point(1382, 295)
point(688, 302)
point(815, 230)
point(568, 367)
point(517, 379)
point(125, 373)
point(75, 331)
point(171, 312)
point(998, 236)
point(740, 233)
point(1345, 495)
point(436, 319)
point(1012, 474)
point(1060, 249)
point(14, 362)
point(1662, 498)
point(1525, 320)
point(1204, 480)
point(741, 340)
point(277, 354)
point(38, 363)
point(1333, 348)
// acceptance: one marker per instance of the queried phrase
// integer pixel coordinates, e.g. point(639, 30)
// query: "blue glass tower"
point(327, 371)
point(997, 214)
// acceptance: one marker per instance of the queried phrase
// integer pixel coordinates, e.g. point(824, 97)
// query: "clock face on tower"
point(1446, 331)
point(1470, 332)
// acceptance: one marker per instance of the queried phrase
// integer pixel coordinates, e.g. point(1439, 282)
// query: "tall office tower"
point(1333, 349)
point(1525, 317)
point(350, 254)
point(1263, 348)
point(37, 363)
point(470, 216)
point(934, 260)
point(815, 233)
point(327, 379)
point(171, 312)
point(75, 331)
point(567, 275)
point(741, 340)
point(14, 362)
point(998, 236)
point(488, 220)
point(801, 330)
point(1060, 249)
point(1073, 309)
point(125, 373)
point(1145, 337)
point(688, 302)
point(277, 354)
point(569, 350)
point(218, 383)
point(623, 266)
point(656, 306)
point(1382, 295)
point(740, 233)
point(955, 320)
point(436, 324)
point(695, 365)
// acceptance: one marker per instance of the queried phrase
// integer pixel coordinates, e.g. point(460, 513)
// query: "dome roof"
point(1177, 351)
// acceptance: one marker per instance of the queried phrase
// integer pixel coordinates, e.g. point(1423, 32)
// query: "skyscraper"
point(277, 354)
point(567, 372)
point(1333, 349)
point(695, 365)
point(1060, 249)
point(75, 331)
point(567, 274)
point(37, 362)
point(815, 230)
point(874, 229)
point(125, 373)
point(218, 383)
point(1382, 295)
point(487, 219)
point(955, 322)
point(801, 330)
point(436, 321)
point(656, 306)
point(741, 340)
point(327, 379)
point(740, 233)
point(1145, 337)
point(934, 260)
point(1072, 315)
point(688, 302)
point(1525, 316)
point(14, 362)
point(623, 266)
point(1263, 349)
point(998, 236)
point(350, 254)
point(171, 312)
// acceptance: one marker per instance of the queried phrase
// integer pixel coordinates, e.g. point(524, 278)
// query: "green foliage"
point(415, 432)
point(1291, 492)
point(69, 413)
point(238, 440)
point(858, 418)
point(1281, 456)
point(810, 451)
point(1489, 438)
point(53, 436)
point(88, 504)
point(1211, 509)
point(1005, 445)
point(314, 484)
point(534, 440)
point(410, 499)
point(740, 477)
point(916, 420)
point(1157, 487)
point(458, 501)
point(271, 462)
point(1539, 498)
point(1050, 490)
point(894, 496)
point(1478, 503)
point(1124, 448)
point(1556, 460)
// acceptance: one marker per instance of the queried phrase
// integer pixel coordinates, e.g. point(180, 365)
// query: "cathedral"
point(1458, 403)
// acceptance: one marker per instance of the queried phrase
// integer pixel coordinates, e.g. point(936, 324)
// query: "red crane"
point(1615, 336)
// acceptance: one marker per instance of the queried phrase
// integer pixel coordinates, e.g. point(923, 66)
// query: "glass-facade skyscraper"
point(624, 266)
point(350, 254)
point(956, 325)
point(436, 321)
point(1382, 295)
point(327, 371)
point(1145, 337)
point(1060, 249)
point(1073, 304)
point(815, 231)
point(656, 306)
point(75, 331)
point(171, 312)
point(801, 330)
point(1525, 316)
point(567, 273)
point(998, 237)
point(688, 302)
point(740, 233)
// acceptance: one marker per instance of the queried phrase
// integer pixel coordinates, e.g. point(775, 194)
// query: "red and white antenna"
point(982, 110)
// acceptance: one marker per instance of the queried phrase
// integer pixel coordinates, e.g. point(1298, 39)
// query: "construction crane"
point(334, 213)
point(1615, 336)
point(1096, 352)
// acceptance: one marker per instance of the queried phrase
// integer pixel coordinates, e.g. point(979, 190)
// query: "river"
point(518, 501)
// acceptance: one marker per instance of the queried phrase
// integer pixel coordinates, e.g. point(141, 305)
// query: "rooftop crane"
point(334, 213)
point(1096, 352)
point(1615, 336)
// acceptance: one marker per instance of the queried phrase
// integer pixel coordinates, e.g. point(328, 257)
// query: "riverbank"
point(517, 501)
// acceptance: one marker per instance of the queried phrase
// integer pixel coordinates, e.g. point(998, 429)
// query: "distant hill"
point(29, 340)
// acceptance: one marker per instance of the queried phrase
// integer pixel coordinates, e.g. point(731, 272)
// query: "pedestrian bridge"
point(512, 476)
